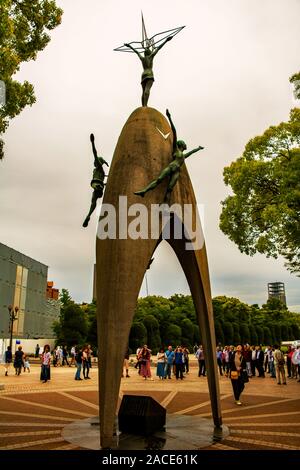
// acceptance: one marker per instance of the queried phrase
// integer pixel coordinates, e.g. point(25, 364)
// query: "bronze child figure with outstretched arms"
point(147, 61)
point(173, 169)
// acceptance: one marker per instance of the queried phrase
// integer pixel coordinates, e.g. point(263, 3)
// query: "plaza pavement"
point(33, 414)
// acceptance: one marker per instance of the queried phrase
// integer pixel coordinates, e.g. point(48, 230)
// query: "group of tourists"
point(83, 360)
point(20, 362)
point(169, 362)
point(242, 362)
point(62, 356)
point(262, 361)
point(238, 363)
point(80, 357)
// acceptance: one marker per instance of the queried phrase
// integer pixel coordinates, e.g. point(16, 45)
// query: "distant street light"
point(13, 315)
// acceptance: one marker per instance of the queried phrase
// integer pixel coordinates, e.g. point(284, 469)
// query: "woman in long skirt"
point(145, 356)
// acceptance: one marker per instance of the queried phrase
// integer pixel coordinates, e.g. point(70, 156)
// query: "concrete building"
point(277, 290)
point(23, 284)
point(95, 283)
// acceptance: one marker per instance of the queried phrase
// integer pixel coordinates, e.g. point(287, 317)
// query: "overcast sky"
point(224, 79)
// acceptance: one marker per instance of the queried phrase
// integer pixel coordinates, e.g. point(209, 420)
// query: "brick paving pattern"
point(33, 415)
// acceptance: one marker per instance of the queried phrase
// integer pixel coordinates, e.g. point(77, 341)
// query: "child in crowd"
point(26, 364)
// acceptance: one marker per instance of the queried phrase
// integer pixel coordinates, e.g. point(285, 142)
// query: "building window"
point(20, 298)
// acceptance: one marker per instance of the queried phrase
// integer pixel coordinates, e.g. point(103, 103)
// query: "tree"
point(260, 334)
point(284, 332)
point(295, 80)
point(274, 304)
point(236, 333)
point(173, 335)
point(153, 335)
point(219, 332)
point(253, 334)
point(187, 332)
point(65, 297)
point(23, 27)
point(72, 328)
point(90, 312)
point(197, 336)
point(278, 334)
point(228, 333)
point(137, 336)
point(291, 335)
point(268, 339)
point(245, 333)
point(263, 214)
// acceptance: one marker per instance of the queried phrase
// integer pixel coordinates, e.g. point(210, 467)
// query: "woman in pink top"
point(46, 360)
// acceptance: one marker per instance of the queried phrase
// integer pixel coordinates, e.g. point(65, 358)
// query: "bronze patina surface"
point(140, 154)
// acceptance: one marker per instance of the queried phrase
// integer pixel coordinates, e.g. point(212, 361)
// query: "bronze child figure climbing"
point(97, 182)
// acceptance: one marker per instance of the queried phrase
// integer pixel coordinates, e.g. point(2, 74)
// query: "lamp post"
point(13, 315)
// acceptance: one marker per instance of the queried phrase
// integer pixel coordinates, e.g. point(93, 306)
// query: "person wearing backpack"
point(279, 365)
point(78, 360)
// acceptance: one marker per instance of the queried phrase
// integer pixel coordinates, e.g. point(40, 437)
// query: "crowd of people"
point(271, 360)
point(168, 362)
point(81, 358)
point(238, 363)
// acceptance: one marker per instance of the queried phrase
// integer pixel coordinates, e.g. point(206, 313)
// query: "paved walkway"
point(33, 414)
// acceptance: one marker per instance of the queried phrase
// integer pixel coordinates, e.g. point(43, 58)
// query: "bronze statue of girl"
point(147, 61)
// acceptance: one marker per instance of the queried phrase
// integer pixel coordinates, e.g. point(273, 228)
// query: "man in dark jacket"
point(260, 361)
point(7, 359)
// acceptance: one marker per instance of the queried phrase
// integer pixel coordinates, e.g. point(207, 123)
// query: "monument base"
point(182, 433)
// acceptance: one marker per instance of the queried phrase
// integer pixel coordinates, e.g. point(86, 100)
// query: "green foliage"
point(173, 335)
point(153, 335)
point(138, 335)
point(284, 331)
point(274, 304)
point(278, 335)
point(228, 332)
point(90, 313)
point(220, 338)
point(23, 33)
point(263, 214)
point(187, 332)
point(253, 335)
point(295, 80)
point(260, 334)
point(245, 333)
point(159, 321)
point(268, 339)
point(236, 333)
point(72, 328)
point(65, 297)
point(197, 336)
